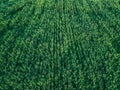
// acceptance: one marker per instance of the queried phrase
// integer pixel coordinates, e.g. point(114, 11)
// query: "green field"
point(59, 44)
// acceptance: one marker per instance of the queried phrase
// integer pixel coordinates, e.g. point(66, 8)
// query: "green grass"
point(59, 44)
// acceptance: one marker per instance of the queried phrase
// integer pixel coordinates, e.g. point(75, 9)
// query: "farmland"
point(59, 44)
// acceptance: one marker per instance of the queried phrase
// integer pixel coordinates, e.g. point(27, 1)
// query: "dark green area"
point(59, 44)
point(116, 44)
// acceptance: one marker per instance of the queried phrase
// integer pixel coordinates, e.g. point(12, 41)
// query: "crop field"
point(59, 44)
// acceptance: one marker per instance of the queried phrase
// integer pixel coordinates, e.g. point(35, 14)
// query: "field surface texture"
point(59, 44)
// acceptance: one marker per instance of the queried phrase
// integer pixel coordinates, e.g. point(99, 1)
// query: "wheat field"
point(59, 44)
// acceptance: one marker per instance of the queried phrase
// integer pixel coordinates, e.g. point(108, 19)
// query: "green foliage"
point(59, 44)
